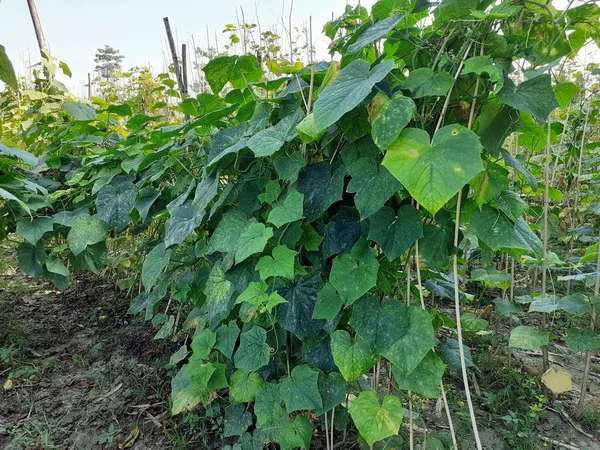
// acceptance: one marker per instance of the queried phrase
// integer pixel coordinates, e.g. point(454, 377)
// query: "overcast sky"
point(75, 29)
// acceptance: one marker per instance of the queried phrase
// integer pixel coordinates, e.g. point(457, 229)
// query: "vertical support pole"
point(174, 54)
point(184, 68)
point(37, 26)
point(89, 86)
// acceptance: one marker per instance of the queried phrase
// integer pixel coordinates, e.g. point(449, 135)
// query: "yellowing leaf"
point(558, 381)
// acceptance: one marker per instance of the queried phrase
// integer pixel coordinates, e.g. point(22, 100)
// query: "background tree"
point(108, 61)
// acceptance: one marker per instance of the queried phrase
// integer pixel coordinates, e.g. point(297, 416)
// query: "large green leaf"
point(244, 385)
point(225, 237)
point(33, 229)
point(23, 155)
point(390, 118)
point(408, 351)
point(155, 263)
point(79, 111)
point(31, 258)
point(534, 96)
point(190, 387)
point(373, 186)
point(287, 210)
point(582, 340)
point(288, 167)
point(434, 172)
point(297, 434)
point(353, 359)
point(394, 234)
point(253, 352)
point(498, 232)
point(238, 70)
point(268, 407)
point(300, 390)
point(252, 240)
point(380, 324)
point(495, 124)
point(114, 203)
point(227, 336)
point(376, 421)
point(225, 142)
point(424, 82)
point(183, 221)
point(425, 379)
point(351, 86)
point(528, 338)
point(85, 232)
point(281, 264)
point(256, 295)
point(320, 187)
point(328, 303)
point(271, 139)
point(353, 274)
point(332, 388)
point(7, 72)
point(236, 420)
point(373, 33)
point(219, 292)
point(341, 232)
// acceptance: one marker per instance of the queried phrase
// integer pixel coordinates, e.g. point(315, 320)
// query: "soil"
point(77, 371)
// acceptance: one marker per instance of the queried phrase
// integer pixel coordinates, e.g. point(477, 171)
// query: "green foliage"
point(280, 241)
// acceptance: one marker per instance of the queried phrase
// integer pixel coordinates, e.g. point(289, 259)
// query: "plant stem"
point(546, 205)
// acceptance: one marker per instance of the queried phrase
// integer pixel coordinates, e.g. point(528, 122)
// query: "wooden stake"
point(89, 86)
point(37, 26)
point(174, 54)
point(184, 68)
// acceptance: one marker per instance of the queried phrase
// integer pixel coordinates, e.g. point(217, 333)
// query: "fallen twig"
point(557, 443)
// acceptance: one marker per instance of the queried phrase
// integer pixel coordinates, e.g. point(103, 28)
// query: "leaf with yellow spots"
point(433, 172)
point(376, 421)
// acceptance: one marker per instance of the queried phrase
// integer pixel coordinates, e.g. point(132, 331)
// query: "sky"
point(75, 29)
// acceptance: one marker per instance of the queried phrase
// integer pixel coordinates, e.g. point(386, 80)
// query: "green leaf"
point(385, 8)
point(225, 237)
point(435, 246)
point(528, 338)
point(297, 434)
point(252, 240)
point(79, 111)
point(328, 303)
point(296, 315)
point(300, 390)
point(188, 390)
point(203, 343)
point(272, 191)
point(320, 188)
point(492, 277)
point(332, 388)
point(236, 420)
point(390, 118)
point(23, 155)
point(225, 142)
point(33, 229)
point(115, 203)
point(268, 407)
point(280, 265)
point(534, 96)
point(352, 277)
point(146, 198)
point(450, 354)
point(308, 130)
point(373, 33)
point(575, 304)
point(472, 323)
point(244, 385)
point(564, 92)
point(352, 85)
point(380, 324)
point(376, 421)
point(238, 70)
point(271, 139)
point(7, 72)
point(496, 230)
point(183, 221)
point(287, 210)
point(425, 379)
point(408, 351)
point(85, 232)
point(353, 359)
point(310, 239)
point(288, 167)
point(489, 183)
point(434, 172)
point(227, 336)
point(256, 295)
point(424, 82)
point(31, 259)
point(485, 64)
point(394, 234)
point(219, 291)
point(582, 340)
point(155, 263)
point(506, 307)
point(496, 122)
point(253, 352)
point(372, 185)
point(544, 304)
